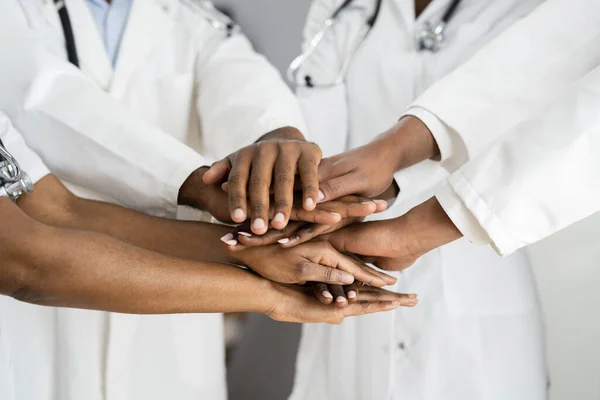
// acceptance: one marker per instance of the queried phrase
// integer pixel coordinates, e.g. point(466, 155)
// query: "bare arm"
point(52, 204)
point(70, 268)
point(66, 267)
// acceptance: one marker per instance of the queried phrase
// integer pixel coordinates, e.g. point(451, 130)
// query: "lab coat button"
point(401, 346)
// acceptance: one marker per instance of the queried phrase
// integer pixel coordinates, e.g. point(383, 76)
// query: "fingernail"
point(232, 242)
point(327, 295)
point(393, 305)
point(351, 294)
point(279, 217)
point(283, 241)
point(336, 214)
point(309, 202)
point(346, 278)
point(367, 202)
point(321, 196)
point(227, 237)
point(378, 201)
point(239, 214)
point(258, 223)
point(340, 299)
point(245, 234)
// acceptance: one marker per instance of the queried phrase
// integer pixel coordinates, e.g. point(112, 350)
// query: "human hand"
point(396, 244)
point(316, 261)
point(197, 194)
point(352, 209)
point(342, 296)
point(298, 304)
point(251, 172)
point(369, 170)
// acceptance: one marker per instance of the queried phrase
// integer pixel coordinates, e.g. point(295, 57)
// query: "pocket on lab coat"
point(478, 282)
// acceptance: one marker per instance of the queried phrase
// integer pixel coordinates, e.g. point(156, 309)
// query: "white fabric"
point(540, 178)
point(516, 75)
point(476, 334)
point(13, 142)
point(182, 89)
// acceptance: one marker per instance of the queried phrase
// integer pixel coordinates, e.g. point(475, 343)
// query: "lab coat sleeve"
point(83, 135)
point(28, 160)
point(241, 97)
point(513, 77)
point(541, 177)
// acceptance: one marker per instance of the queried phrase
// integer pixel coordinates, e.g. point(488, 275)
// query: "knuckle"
point(286, 146)
point(311, 159)
point(258, 208)
point(333, 187)
point(283, 179)
point(235, 178)
point(257, 180)
point(279, 204)
point(330, 274)
point(236, 198)
point(302, 269)
point(309, 188)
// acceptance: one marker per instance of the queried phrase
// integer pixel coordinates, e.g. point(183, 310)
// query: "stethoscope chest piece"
point(431, 37)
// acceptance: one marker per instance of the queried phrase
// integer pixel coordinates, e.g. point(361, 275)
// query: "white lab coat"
point(476, 333)
point(524, 77)
point(177, 81)
point(32, 165)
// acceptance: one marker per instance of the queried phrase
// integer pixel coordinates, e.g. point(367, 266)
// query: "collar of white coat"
point(144, 27)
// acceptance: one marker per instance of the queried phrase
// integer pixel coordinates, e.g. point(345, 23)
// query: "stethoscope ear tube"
point(65, 21)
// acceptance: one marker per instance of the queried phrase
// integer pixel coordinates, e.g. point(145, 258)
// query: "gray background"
point(262, 365)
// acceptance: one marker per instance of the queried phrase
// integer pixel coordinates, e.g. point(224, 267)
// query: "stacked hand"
point(315, 208)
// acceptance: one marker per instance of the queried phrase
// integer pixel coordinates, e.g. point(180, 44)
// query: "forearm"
point(70, 268)
point(52, 204)
point(429, 226)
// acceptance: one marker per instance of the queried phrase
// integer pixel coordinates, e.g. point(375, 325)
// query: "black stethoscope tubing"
point(65, 21)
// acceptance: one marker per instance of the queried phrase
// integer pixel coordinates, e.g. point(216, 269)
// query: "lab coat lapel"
point(145, 26)
point(93, 60)
point(51, 15)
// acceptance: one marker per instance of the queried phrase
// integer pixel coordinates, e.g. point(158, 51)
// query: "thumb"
point(217, 173)
point(353, 239)
point(339, 187)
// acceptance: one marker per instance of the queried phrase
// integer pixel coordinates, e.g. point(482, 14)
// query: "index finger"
point(308, 169)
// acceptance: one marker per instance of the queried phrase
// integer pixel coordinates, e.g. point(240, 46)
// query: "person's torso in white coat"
point(477, 332)
point(176, 72)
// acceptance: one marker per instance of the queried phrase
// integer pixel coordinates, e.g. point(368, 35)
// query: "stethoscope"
point(13, 181)
point(216, 19)
point(431, 38)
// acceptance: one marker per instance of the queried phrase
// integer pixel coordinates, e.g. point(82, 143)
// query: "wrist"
point(268, 296)
point(430, 227)
point(407, 143)
point(284, 133)
point(193, 191)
